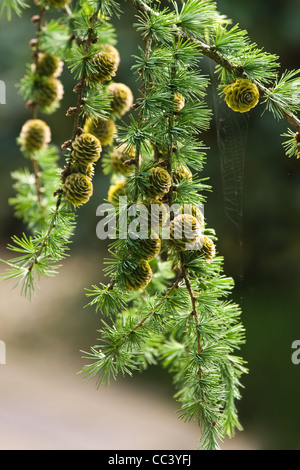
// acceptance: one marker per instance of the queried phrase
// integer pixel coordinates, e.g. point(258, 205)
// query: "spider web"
point(232, 133)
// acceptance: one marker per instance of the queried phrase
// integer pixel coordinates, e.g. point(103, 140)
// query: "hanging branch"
point(37, 19)
point(151, 323)
point(80, 87)
point(36, 44)
point(211, 51)
point(42, 91)
point(40, 253)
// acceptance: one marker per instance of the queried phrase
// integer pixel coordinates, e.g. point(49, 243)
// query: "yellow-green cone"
point(48, 64)
point(157, 213)
point(185, 231)
point(122, 98)
point(180, 173)
point(104, 129)
point(159, 183)
point(105, 67)
point(241, 95)
point(194, 211)
point(115, 191)
point(47, 92)
point(87, 170)
point(117, 158)
point(138, 275)
point(77, 189)
point(35, 135)
point(112, 50)
point(179, 101)
point(147, 248)
point(207, 248)
point(86, 148)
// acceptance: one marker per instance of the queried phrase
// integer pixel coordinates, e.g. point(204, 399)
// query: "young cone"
point(104, 129)
point(87, 170)
point(137, 275)
point(118, 157)
point(206, 248)
point(35, 135)
point(115, 191)
point(112, 50)
point(157, 213)
point(185, 231)
point(48, 64)
point(194, 211)
point(146, 248)
point(122, 98)
point(241, 95)
point(47, 92)
point(105, 65)
point(77, 189)
point(86, 148)
point(180, 173)
point(159, 183)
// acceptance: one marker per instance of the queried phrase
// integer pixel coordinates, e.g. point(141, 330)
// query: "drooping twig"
point(37, 19)
point(58, 192)
point(43, 244)
point(212, 53)
point(174, 286)
point(79, 88)
point(194, 308)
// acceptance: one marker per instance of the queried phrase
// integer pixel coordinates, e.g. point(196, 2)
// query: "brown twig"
point(79, 88)
point(37, 19)
point(174, 286)
point(194, 307)
point(44, 242)
point(138, 155)
point(37, 177)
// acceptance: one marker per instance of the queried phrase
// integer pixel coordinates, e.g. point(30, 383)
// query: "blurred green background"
point(266, 269)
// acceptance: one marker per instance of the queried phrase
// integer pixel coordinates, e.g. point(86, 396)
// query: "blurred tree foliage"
point(267, 268)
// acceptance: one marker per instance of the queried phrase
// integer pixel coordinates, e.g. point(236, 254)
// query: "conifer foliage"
point(167, 299)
